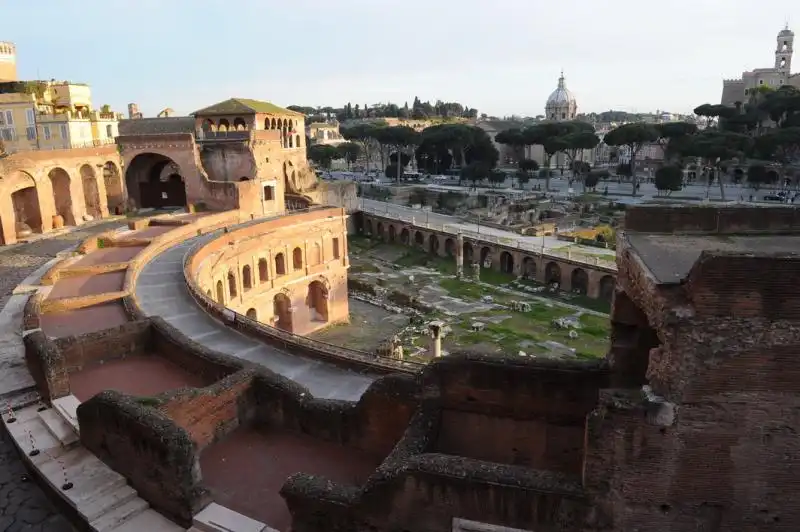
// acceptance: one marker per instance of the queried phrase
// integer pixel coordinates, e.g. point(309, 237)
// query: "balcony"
point(222, 136)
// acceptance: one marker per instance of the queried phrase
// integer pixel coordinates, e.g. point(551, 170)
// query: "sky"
point(500, 56)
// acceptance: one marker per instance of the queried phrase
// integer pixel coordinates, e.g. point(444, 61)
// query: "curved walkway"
point(161, 291)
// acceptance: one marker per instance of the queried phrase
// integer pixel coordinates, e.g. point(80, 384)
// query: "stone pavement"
point(23, 506)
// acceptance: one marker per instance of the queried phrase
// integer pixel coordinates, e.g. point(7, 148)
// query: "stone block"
point(149, 521)
point(118, 516)
point(108, 501)
point(67, 407)
point(58, 427)
point(216, 518)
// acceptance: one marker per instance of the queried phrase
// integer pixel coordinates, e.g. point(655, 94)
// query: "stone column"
point(476, 271)
point(460, 256)
point(435, 329)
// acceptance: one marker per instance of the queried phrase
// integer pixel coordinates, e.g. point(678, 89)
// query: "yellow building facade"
point(52, 115)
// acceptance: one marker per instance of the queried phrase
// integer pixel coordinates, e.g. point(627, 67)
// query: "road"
point(23, 506)
point(423, 217)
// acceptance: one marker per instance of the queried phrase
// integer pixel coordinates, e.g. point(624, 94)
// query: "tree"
point(513, 138)
point(363, 134)
point(497, 177)
point(349, 151)
point(671, 135)
point(634, 136)
point(400, 138)
point(527, 169)
point(391, 171)
point(669, 179)
point(323, 154)
point(548, 135)
point(717, 147)
point(756, 175)
point(591, 180)
point(780, 144)
point(443, 144)
point(577, 141)
point(475, 171)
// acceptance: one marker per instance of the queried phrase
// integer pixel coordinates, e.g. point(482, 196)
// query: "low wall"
point(158, 458)
point(713, 219)
point(420, 489)
point(46, 365)
point(116, 343)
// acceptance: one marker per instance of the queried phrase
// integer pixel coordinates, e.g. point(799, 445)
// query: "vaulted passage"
point(91, 192)
point(155, 181)
point(282, 310)
point(317, 301)
point(62, 195)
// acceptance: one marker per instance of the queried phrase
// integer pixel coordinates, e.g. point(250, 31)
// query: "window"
point(8, 134)
point(64, 132)
point(30, 132)
point(2, 119)
point(268, 193)
point(46, 132)
point(109, 131)
point(30, 116)
point(9, 118)
point(761, 82)
point(336, 252)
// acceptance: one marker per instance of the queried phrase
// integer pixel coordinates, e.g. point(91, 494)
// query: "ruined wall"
point(158, 458)
point(209, 414)
point(227, 161)
point(83, 350)
point(712, 219)
point(529, 415)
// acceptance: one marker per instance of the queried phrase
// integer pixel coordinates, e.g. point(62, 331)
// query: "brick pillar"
point(460, 255)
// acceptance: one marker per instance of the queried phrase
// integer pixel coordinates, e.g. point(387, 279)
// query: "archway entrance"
point(506, 262)
point(317, 301)
point(62, 194)
point(91, 193)
point(552, 273)
point(25, 202)
point(155, 181)
point(220, 293)
point(607, 283)
point(115, 193)
point(580, 281)
point(282, 311)
point(252, 314)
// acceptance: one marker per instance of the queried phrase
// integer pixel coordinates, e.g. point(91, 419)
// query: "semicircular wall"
point(288, 272)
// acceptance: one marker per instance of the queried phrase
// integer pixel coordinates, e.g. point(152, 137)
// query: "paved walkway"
point(161, 290)
point(23, 506)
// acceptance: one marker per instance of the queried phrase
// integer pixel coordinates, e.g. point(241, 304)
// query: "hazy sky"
point(501, 56)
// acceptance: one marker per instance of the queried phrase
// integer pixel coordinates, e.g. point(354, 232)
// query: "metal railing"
point(512, 242)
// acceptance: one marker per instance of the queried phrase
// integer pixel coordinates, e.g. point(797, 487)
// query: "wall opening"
point(232, 285)
point(280, 264)
point(91, 192)
point(62, 195)
point(247, 278)
point(336, 250)
point(263, 270)
point(580, 281)
point(282, 311)
point(220, 293)
point(297, 258)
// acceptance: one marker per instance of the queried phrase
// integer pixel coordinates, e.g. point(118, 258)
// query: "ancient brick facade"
point(289, 272)
point(44, 190)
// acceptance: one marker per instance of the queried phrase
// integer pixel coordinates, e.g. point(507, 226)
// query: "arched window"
point(220, 293)
point(280, 264)
point(247, 278)
point(336, 252)
point(263, 270)
point(316, 255)
point(232, 284)
point(297, 258)
point(297, 141)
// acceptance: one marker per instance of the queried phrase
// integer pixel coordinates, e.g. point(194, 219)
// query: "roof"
point(156, 126)
point(562, 95)
point(245, 106)
point(500, 125)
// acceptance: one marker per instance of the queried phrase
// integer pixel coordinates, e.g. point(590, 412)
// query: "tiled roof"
point(245, 106)
point(157, 126)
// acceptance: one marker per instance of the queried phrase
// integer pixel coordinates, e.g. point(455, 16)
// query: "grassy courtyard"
point(475, 322)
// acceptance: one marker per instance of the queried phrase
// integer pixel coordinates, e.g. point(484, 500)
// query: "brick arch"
point(368, 227)
point(450, 247)
point(486, 253)
point(469, 253)
point(405, 236)
point(433, 243)
point(605, 287)
point(145, 183)
point(529, 267)
point(552, 272)
point(392, 233)
point(506, 262)
point(419, 239)
point(379, 230)
point(579, 281)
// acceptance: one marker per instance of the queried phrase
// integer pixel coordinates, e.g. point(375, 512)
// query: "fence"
point(512, 242)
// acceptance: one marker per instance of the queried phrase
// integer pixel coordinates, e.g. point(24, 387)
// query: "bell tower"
point(783, 52)
point(8, 61)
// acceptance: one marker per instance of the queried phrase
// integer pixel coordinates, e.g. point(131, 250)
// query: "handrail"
point(335, 351)
point(491, 239)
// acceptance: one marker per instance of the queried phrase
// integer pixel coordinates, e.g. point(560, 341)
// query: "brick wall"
point(46, 365)
point(131, 338)
point(208, 414)
point(528, 414)
point(711, 219)
point(745, 286)
point(375, 424)
point(158, 458)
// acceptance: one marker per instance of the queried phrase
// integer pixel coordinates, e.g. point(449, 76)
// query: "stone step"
point(148, 521)
point(67, 407)
point(58, 427)
point(117, 517)
point(217, 518)
point(106, 500)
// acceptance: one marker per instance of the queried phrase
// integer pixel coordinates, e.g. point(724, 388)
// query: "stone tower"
point(8, 61)
point(783, 51)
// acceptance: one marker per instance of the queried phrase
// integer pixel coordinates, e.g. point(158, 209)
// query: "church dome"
point(786, 32)
point(561, 96)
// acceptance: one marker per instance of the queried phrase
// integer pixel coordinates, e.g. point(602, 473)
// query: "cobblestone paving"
point(23, 506)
